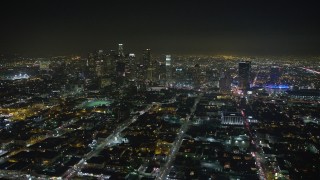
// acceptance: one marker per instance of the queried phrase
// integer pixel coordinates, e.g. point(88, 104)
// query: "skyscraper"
point(146, 57)
point(168, 69)
point(225, 81)
point(99, 63)
point(275, 73)
point(109, 63)
point(120, 50)
point(149, 64)
point(244, 75)
point(121, 68)
point(197, 76)
point(90, 69)
point(130, 66)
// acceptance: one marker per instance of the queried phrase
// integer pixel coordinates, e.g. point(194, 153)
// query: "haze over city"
point(182, 27)
point(159, 90)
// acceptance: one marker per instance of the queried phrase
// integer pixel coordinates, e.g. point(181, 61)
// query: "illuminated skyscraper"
point(149, 64)
point(90, 65)
point(131, 66)
point(99, 63)
point(110, 63)
point(244, 75)
point(120, 50)
point(146, 57)
point(168, 69)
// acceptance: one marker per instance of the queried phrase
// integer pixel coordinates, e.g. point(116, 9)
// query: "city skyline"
point(112, 116)
point(40, 28)
point(159, 90)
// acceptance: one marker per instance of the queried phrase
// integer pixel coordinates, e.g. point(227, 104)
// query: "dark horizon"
point(40, 28)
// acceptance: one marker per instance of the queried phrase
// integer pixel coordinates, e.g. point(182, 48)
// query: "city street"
point(256, 155)
point(164, 171)
point(106, 142)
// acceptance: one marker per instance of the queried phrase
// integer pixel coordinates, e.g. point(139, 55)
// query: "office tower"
point(197, 76)
point(179, 74)
point(99, 68)
point(225, 81)
point(131, 66)
point(112, 60)
point(121, 68)
point(120, 50)
point(244, 75)
point(275, 73)
point(113, 53)
point(99, 63)
point(120, 62)
point(162, 77)
point(146, 57)
point(90, 66)
point(108, 65)
point(149, 65)
point(168, 69)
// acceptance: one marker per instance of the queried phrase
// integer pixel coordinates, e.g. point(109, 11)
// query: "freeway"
point(310, 70)
point(177, 143)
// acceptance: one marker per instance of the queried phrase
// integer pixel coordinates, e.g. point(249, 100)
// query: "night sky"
point(63, 27)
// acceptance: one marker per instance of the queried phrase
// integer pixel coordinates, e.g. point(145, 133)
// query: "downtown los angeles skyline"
point(159, 90)
point(40, 28)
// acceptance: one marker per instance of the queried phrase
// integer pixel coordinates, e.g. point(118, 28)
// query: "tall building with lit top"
point(121, 62)
point(168, 69)
point(146, 57)
point(130, 66)
point(149, 64)
point(99, 63)
point(244, 75)
point(120, 50)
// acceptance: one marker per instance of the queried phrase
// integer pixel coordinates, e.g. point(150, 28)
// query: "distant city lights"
point(278, 86)
point(19, 76)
